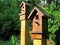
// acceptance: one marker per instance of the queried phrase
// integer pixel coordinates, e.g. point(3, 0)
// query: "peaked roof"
point(24, 3)
point(34, 11)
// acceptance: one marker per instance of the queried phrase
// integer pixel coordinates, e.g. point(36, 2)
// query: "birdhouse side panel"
point(45, 27)
point(27, 10)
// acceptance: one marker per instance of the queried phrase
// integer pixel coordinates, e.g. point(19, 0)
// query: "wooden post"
point(25, 38)
point(35, 42)
point(40, 42)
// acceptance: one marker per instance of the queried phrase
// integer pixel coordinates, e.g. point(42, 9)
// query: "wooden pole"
point(25, 32)
point(25, 38)
point(40, 42)
point(37, 42)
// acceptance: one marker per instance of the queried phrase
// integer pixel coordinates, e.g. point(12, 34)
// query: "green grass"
point(5, 43)
point(8, 43)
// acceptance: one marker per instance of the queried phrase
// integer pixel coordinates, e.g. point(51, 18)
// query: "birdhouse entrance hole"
point(37, 17)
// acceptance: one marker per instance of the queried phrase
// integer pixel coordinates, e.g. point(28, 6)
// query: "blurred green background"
point(10, 23)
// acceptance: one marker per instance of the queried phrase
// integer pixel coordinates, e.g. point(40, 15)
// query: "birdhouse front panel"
point(23, 8)
point(37, 26)
point(37, 22)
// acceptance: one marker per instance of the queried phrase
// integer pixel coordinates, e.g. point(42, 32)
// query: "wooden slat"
point(36, 36)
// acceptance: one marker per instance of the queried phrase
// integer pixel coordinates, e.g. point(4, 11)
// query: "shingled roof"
point(34, 11)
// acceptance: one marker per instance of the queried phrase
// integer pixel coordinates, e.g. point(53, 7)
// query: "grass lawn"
point(5, 43)
point(8, 43)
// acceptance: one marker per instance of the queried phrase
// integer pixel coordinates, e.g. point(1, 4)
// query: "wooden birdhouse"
point(40, 23)
point(24, 10)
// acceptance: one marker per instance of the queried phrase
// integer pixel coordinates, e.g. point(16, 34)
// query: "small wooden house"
point(40, 23)
point(24, 10)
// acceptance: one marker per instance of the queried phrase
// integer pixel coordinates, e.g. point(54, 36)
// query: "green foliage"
point(9, 18)
point(54, 23)
point(13, 40)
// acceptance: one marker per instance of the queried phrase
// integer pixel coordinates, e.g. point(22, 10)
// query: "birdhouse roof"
point(35, 10)
point(24, 3)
